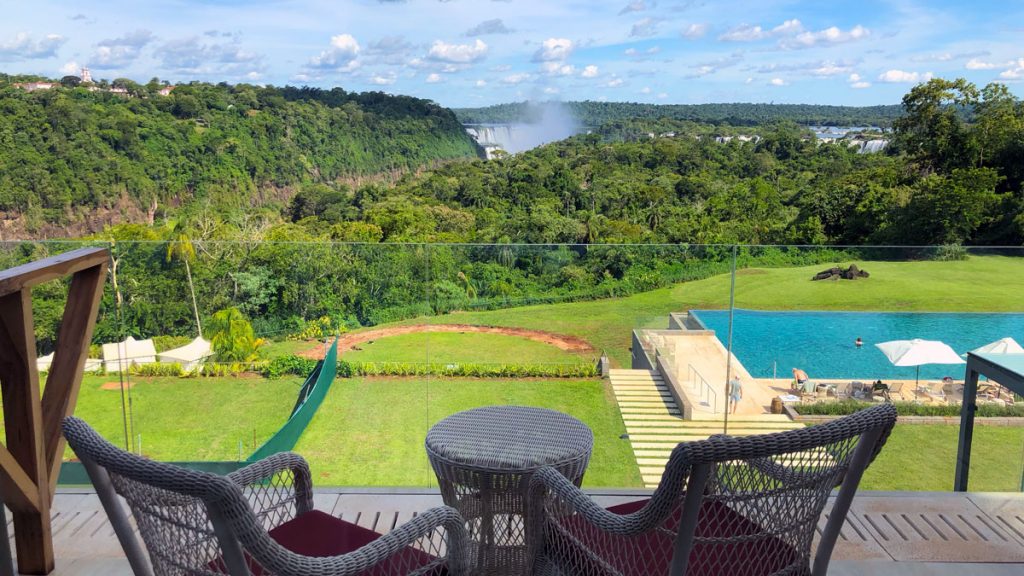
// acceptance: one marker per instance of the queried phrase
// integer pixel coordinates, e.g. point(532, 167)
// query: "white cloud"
point(557, 69)
point(630, 52)
point(434, 78)
point(694, 31)
point(978, 64)
point(897, 76)
point(589, 71)
point(788, 28)
point(210, 58)
point(778, 82)
point(458, 53)
point(857, 81)
point(614, 83)
point(70, 68)
point(551, 90)
point(831, 35)
point(749, 80)
point(554, 49)
point(480, 83)
point(1015, 71)
point(744, 33)
point(645, 90)
point(383, 79)
point(495, 26)
point(517, 78)
point(120, 52)
point(635, 6)
point(662, 95)
point(644, 28)
point(23, 46)
point(341, 55)
point(830, 68)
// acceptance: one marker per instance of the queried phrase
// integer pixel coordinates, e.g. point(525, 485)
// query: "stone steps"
point(655, 424)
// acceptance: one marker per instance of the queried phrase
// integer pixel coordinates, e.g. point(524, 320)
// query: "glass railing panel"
point(429, 330)
point(820, 328)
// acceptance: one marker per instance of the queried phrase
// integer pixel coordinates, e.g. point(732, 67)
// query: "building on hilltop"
point(86, 76)
point(166, 90)
point(33, 86)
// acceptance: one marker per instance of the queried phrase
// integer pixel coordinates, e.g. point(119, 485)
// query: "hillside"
point(73, 160)
point(595, 114)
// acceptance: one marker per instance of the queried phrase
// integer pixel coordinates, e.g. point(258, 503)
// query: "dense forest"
point(593, 115)
point(70, 155)
point(577, 219)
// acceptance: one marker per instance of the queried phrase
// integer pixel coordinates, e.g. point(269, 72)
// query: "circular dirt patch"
point(560, 341)
point(115, 385)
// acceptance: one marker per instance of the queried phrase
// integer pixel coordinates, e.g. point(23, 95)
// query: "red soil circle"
point(349, 341)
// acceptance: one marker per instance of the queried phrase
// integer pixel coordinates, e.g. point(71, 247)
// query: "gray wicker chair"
point(258, 520)
point(733, 506)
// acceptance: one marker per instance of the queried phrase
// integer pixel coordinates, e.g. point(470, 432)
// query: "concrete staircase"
point(655, 424)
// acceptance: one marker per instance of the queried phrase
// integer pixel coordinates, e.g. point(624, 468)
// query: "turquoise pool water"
point(822, 343)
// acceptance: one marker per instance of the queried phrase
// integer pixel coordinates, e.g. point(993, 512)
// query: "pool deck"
point(886, 533)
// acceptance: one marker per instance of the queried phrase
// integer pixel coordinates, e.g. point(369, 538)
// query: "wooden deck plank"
point(972, 524)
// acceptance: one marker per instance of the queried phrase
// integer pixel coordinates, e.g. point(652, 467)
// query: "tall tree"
point(181, 248)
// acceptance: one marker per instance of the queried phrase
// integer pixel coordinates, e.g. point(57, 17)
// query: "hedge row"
point(844, 407)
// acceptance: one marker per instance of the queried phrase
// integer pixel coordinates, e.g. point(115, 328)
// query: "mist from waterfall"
point(551, 121)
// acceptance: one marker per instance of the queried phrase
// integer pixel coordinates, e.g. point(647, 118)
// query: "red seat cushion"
point(650, 553)
point(318, 534)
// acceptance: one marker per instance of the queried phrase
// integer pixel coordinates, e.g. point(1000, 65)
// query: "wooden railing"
point(30, 461)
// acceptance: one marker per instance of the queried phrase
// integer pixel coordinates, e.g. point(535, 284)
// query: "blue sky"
point(480, 52)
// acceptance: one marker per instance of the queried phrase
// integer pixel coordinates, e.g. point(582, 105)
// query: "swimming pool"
point(822, 343)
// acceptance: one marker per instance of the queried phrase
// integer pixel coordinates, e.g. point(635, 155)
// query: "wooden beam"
point(23, 423)
point(34, 273)
point(65, 375)
point(18, 488)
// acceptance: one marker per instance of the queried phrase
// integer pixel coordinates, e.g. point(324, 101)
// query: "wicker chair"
point(258, 520)
point(736, 506)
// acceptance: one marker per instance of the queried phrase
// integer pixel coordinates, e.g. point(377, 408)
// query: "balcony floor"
point(906, 533)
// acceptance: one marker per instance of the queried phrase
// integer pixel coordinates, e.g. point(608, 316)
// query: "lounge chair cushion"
point(318, 534)
point(651, 553)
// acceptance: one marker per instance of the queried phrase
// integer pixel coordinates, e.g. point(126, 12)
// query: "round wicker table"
point(483, 459)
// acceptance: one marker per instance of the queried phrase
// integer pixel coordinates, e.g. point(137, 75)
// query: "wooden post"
point(30, 462)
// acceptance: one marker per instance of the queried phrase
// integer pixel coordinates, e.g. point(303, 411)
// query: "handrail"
point(708, 396)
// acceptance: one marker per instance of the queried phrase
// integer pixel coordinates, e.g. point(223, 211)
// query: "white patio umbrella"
point(1002, 346)
point(917, 352)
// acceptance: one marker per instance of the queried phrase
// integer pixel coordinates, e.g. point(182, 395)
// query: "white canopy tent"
point(118, 356)
point(43, 363)
point(190, 355)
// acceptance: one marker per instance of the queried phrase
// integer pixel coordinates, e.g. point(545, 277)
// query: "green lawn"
point(979, 284)
point(370, 431)
point(454, 347)
point(191, 418)
point(923, 457)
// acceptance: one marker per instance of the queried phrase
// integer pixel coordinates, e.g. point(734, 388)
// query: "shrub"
point(472, 370)
point(289, 364)
point(950, 252)
point(317, 329)
point(157, 369)
point(165, 343)
point(844, 407)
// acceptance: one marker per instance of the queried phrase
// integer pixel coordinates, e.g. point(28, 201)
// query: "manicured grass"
point(978, 284)
point(191, 418)
point(284, 347)
point(923, 457)
point(370, 431)
point(444, 347)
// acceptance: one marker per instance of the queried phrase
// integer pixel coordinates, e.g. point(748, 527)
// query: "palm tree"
point(232, 337)
point(181, 247)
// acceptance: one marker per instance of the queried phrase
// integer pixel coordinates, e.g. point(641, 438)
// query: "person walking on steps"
point(735, 392)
